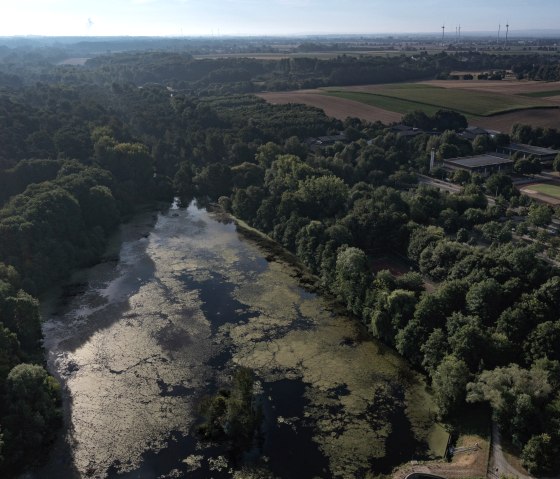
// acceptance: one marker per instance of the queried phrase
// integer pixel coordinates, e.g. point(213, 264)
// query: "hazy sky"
point(273, 17)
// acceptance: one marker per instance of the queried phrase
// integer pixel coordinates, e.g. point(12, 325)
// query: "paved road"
point(442, 185)
point(499, 465)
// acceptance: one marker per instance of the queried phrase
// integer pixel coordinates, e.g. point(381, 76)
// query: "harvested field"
point(373, 103)
point(538, 117)
point(336, 107)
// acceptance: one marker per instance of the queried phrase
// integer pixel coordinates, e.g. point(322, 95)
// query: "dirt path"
point(500, 463)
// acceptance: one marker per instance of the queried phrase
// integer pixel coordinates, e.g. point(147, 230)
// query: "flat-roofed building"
point(482, 164)
point(545, 155)
point(472, 132)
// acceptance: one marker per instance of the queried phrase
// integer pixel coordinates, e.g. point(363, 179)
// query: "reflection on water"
point(139, 342)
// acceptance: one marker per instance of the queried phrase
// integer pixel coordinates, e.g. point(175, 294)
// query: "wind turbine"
point(499, 31)
point(442, 34)
point(507, 32)
point(459, 32)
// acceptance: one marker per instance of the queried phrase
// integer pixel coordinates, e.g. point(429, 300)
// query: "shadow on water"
point(401, 445)
point(173, 459)
point(286, 431)
point(218, 304)
point(88, 299)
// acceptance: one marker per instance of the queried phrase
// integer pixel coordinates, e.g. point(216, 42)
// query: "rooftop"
point(534, 150)
point(479, 161)
point(475, 130)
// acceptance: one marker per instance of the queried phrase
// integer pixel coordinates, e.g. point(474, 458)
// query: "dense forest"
point(84, 148)
point(180, 70)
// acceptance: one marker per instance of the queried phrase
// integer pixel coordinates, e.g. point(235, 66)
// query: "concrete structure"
point(472, 132)
point(432, 159)
point(482, 164)
point(545, 155)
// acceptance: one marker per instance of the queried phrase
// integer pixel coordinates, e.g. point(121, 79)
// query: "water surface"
point(140, 341)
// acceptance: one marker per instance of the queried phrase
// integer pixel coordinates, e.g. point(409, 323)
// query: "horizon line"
point(526, 31)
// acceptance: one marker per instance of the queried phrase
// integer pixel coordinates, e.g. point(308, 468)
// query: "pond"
point(139, 341)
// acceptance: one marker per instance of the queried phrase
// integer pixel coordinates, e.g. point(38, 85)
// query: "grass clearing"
point(429, 98)
point(437, 439)
point(547, 189)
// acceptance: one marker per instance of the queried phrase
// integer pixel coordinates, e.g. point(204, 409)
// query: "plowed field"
point(336, 107)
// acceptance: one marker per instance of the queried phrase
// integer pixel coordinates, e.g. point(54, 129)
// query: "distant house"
point(472, 132)
point(545, 155)
point(482, 164)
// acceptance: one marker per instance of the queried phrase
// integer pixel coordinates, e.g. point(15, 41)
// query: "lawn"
point(403, 98)
point(542, 94)
point(546, 189)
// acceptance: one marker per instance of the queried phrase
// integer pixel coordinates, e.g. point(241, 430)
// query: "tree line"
point(177, 68)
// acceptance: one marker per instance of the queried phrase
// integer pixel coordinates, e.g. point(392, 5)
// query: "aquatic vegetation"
point(170, 323)
point(232, 415)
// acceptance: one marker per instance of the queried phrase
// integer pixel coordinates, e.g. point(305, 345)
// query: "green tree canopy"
point(32, 414)
point(449, 382)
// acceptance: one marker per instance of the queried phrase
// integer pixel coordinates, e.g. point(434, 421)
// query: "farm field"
point(479, 101)
point(548, 118)
point(335, 107)
point(430, 97)
point(509, 87)
point(398, 105)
